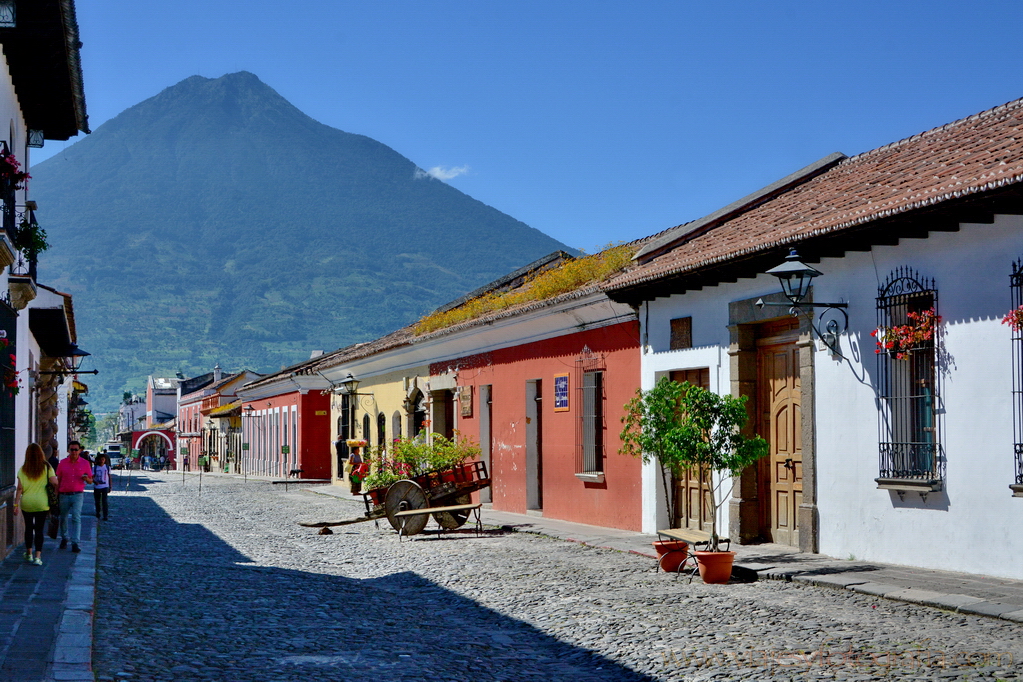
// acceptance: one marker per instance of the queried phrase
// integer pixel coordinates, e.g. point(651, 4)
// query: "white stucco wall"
point(710, 343)
point(975, 511)
point(28, 354)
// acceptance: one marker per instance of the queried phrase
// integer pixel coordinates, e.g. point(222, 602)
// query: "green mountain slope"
point(215, 222)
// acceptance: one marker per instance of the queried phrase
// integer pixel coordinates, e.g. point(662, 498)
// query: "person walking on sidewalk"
point(73, 473)
point(32, 501)
point(101, 484)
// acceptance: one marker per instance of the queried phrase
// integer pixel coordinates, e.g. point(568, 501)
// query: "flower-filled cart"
point(422, 480)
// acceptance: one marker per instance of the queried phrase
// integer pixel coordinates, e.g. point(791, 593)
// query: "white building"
point(910, 456)
point(41, 98)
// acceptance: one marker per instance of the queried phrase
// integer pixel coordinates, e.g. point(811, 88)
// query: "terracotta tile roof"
point(976, 154)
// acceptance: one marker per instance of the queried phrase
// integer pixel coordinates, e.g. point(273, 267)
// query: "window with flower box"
point(1014, 319)
point(911, 457)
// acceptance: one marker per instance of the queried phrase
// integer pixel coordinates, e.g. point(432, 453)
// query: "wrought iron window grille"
point(591, 373)
point(911, 457)
point(1016, 295)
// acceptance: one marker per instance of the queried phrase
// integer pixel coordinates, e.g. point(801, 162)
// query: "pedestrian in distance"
point(32, 501)
point(101, 484)
point(358, 471)
point(73, 473)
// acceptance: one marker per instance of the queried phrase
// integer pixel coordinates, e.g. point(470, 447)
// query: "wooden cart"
point(449, 491)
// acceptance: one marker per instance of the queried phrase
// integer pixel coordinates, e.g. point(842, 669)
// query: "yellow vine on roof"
point(566, 277)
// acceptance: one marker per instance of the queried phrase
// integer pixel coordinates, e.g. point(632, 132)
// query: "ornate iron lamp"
point(350, 385)
point(795, 278)
point(71, 362)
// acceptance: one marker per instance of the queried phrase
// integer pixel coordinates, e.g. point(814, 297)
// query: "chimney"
point(216, 372)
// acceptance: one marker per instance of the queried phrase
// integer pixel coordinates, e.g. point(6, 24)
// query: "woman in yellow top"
point(32, 501)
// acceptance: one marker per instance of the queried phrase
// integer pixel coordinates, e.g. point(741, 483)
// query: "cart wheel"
point(453, 520)
point(402, 496)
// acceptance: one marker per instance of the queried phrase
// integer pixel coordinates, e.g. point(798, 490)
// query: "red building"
point(547, 416)
point(204, 438)
point(286, 424)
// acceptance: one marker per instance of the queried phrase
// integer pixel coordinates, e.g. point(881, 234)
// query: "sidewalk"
point(46, 612)
point(959, 592)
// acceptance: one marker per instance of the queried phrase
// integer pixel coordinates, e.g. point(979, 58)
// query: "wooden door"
point(781, 488)
point(692, 490)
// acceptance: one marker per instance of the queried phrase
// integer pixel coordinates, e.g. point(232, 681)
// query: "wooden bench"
point(694, 538)
point(474, 508)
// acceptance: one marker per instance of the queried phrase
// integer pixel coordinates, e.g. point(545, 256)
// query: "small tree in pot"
point(687, 427)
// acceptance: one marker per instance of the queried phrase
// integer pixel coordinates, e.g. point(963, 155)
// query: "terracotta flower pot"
point(715, 567)
point(671, 554)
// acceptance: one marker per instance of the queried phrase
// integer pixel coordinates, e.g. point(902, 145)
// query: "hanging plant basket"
point(10, 171)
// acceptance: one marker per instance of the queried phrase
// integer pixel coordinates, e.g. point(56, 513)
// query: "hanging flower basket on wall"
point(10, 171)
point(899, 340)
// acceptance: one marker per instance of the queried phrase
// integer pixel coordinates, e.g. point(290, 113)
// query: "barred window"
point(1014, 319)
point(908, 341)
point(593, 421)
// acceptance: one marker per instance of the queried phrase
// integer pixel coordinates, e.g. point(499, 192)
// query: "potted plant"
point(31, 238)
point(683, 427)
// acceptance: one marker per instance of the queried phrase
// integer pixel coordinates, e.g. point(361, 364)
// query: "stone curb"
point(71, 656)
point(958, 603)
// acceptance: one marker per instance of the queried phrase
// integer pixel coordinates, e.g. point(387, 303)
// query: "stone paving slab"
point(988, 608)
point(876, 589)
point(952, 602)
point(915, 596)
point(837, 580)
point(1014, 616)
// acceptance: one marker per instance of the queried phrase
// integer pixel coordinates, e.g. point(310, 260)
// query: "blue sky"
point(591, 121)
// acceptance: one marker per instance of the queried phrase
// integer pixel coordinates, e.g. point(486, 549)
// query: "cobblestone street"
point(225, 586)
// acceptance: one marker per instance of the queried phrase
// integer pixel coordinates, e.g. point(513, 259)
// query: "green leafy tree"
point(106, 428)
point(683, 427)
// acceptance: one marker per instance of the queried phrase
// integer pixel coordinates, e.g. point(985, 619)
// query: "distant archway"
point(138, 436)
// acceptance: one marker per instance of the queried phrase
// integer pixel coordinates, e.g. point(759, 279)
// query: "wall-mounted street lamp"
point(71, 362)
point(795, 278)
point(350, 386)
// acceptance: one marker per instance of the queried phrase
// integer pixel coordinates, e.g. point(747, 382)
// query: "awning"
point(224, 411)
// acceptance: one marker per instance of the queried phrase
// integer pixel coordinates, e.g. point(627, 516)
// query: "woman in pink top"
point(73, 473)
